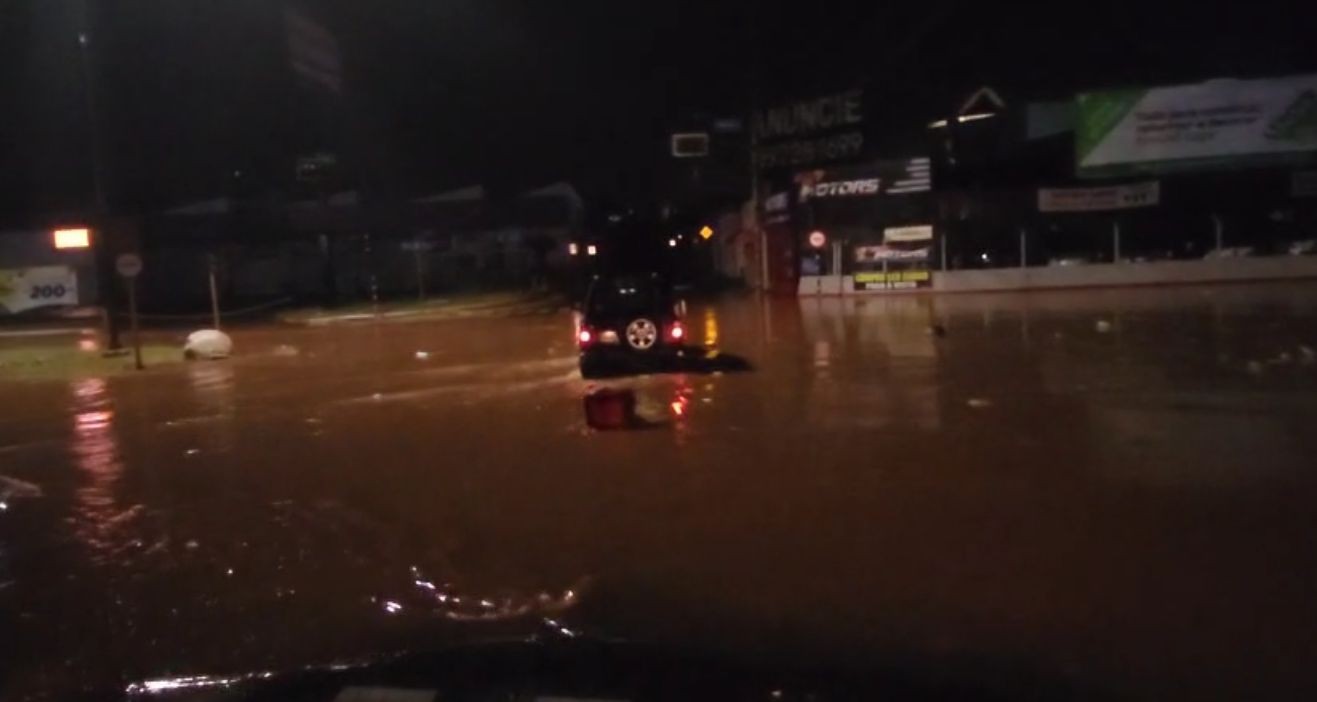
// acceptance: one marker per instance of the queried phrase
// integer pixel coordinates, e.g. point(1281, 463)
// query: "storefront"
point(868, 228)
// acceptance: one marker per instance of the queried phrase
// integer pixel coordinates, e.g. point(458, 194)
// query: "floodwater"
point(1114, 487)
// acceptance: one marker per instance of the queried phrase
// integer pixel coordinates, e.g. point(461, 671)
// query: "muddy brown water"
point(1114, 486)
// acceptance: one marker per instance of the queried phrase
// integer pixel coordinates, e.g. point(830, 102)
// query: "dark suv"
point(628, 323)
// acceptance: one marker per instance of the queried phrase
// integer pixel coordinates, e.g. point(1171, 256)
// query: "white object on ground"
point(208, 344)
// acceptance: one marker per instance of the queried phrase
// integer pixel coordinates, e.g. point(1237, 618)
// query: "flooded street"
point(1116, 487)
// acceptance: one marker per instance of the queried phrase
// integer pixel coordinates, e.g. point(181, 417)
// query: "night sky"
point(446, 93)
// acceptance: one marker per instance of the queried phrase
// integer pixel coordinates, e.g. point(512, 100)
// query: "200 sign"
point(47, 292)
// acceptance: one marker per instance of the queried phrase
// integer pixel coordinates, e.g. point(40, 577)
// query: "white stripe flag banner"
point(313, 51)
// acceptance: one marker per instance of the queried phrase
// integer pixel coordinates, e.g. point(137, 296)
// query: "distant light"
point(672, 243)
point(392, 607)
point(592, 250)
point(984, 257)
point(678, 408)
point(677, 331)
point(72, 238)
point(973, 117)
point(585, 336)
point(573, 249)
point(706, 232)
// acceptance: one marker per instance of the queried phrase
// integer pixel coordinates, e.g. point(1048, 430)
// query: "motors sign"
point(841, 188)
point(889, 177)
point(1116, 197)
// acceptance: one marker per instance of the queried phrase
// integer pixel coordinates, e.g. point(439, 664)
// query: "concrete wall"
point(1091, 276)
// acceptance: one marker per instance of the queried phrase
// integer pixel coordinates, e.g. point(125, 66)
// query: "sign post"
point(420, 249)
point(214, 294)
point(129, 265)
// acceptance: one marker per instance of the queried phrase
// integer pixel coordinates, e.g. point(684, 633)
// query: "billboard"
point(888, 177)
point(29, 288)
point(1113, 197)
point(818, 130)
point(1211, 124)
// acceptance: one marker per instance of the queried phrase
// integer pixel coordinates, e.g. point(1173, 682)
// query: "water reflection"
point(97, 515)
point(876, 363)
point(434, 597)
point(212, 387)
point(711, 327)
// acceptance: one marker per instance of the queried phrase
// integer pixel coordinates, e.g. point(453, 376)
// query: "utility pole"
point(100, 209)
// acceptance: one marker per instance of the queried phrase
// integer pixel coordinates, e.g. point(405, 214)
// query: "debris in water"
point(1281, 359)
point(11, 488)
point(208, 344)
point(1103, 326)
point(979, 403)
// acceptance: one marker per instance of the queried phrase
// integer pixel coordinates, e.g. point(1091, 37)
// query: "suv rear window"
point(621, 296)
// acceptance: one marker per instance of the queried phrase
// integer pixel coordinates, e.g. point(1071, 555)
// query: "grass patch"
point(469, 304)
point(64, 361)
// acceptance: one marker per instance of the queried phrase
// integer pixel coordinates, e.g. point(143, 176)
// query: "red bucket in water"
point(610, 409)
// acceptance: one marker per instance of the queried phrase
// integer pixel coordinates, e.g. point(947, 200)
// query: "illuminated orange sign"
point(72, 238)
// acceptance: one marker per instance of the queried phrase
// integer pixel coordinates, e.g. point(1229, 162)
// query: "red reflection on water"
point(97, 516)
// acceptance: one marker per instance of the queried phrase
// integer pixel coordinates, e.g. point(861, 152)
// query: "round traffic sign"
point(818, 239)
point(128, 265)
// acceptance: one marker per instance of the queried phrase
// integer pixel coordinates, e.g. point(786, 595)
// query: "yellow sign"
point(706, 232)
point(893, 277)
